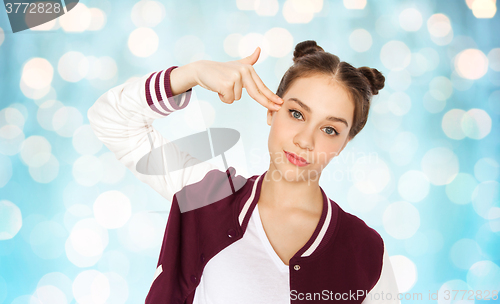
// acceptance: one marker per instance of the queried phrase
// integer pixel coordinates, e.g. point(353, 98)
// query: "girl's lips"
point(295, 159)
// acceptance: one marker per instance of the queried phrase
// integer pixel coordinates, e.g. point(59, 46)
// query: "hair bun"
point(375, 78)
point(305, 48)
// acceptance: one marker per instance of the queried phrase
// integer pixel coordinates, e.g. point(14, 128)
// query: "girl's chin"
point(297, 174)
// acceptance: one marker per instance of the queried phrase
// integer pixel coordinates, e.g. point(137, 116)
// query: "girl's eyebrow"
point(308, 109)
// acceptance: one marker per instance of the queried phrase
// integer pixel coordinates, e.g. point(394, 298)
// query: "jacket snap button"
point(193, 279)
point(231, 233)
point(202, 258)
point(296, 267)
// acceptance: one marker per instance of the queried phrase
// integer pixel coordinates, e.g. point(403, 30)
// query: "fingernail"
point(277, 107)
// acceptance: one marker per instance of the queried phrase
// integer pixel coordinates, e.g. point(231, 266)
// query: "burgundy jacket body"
point(348, 259)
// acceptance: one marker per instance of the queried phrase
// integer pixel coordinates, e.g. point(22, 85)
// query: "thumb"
point(252, 59)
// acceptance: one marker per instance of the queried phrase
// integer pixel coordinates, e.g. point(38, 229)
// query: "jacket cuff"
point(159, 93)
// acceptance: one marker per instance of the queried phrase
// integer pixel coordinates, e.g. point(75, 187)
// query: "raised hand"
point(229, 78)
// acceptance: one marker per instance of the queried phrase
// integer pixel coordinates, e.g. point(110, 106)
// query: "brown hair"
point(361, 83)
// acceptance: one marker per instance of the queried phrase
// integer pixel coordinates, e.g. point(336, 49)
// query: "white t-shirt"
point(249, 271)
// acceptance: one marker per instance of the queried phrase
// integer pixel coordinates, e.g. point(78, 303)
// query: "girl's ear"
point(270, 116)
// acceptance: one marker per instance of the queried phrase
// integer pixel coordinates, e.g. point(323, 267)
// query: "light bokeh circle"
point(142, 232)
point(47, 172)
point(484, 275)
point(494, 59)
point(2, 36)
point(11, 220)
point(59, 280)
point(47, 239)
point(417, 245)
point(73, 66)
point(112, 209)
point(362, 202)
point(485, 197)
point(471, 64)
point(114, 261)
point(441, 88)
point(250, 42)
point(413, 186)
point(486, 169)
point(293, 14)
point(464, 253)
point(189, 48)
point(403, 148)
point(461, 188)
point(66, 121)
point(91, 287)
point(11, 139)
point(399, 103)
point(360, 40)
point(447, 293)
point(37, 73)
point(231, 43)
point(401, 220)
point(476, 123)
point(371, 176)
point(484, 8)
point(395, 55)
point(36, 151)
point(98, 19)
point(452, 124)
point(148, 13)
point(85, 141)
point(410, 19)
point(46, 111)
point(143, 42)
point(119, 290)
point(113, 170)
point(78, 19)
point(399, 80)
point(5, 170)
point(440, 165)
point(50, 294)
point(418, 65)
point(88, 170)
point(439, 25)
point(88, 239)
point(269, 8)
point(280, 42)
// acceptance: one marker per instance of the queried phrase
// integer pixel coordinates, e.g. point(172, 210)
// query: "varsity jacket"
point(210, 207)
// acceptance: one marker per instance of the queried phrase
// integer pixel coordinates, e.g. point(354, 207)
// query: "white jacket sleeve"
point(122, 119)
point(385, 290)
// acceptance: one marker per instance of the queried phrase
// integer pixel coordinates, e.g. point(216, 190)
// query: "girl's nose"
point(304, 141)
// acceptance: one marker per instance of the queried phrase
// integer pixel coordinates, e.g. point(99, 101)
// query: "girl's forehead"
point(318, 89)
point(320, 96)
point(316, 82)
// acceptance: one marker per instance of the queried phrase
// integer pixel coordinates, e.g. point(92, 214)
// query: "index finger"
point(254, 92)
point(264, 89)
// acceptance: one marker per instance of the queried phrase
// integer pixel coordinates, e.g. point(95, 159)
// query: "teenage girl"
point(271, 238)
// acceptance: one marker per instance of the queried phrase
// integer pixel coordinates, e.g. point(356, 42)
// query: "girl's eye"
point(295, 112)
point(333, 132)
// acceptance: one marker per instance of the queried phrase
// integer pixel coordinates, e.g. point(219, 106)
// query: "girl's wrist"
point(183, 78)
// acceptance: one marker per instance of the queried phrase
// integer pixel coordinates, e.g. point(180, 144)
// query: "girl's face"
point(313, 123)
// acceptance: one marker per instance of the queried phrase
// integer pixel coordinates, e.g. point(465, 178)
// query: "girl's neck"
point(279, 193)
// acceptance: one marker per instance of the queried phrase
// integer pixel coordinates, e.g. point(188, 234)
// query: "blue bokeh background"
point(425, 170)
